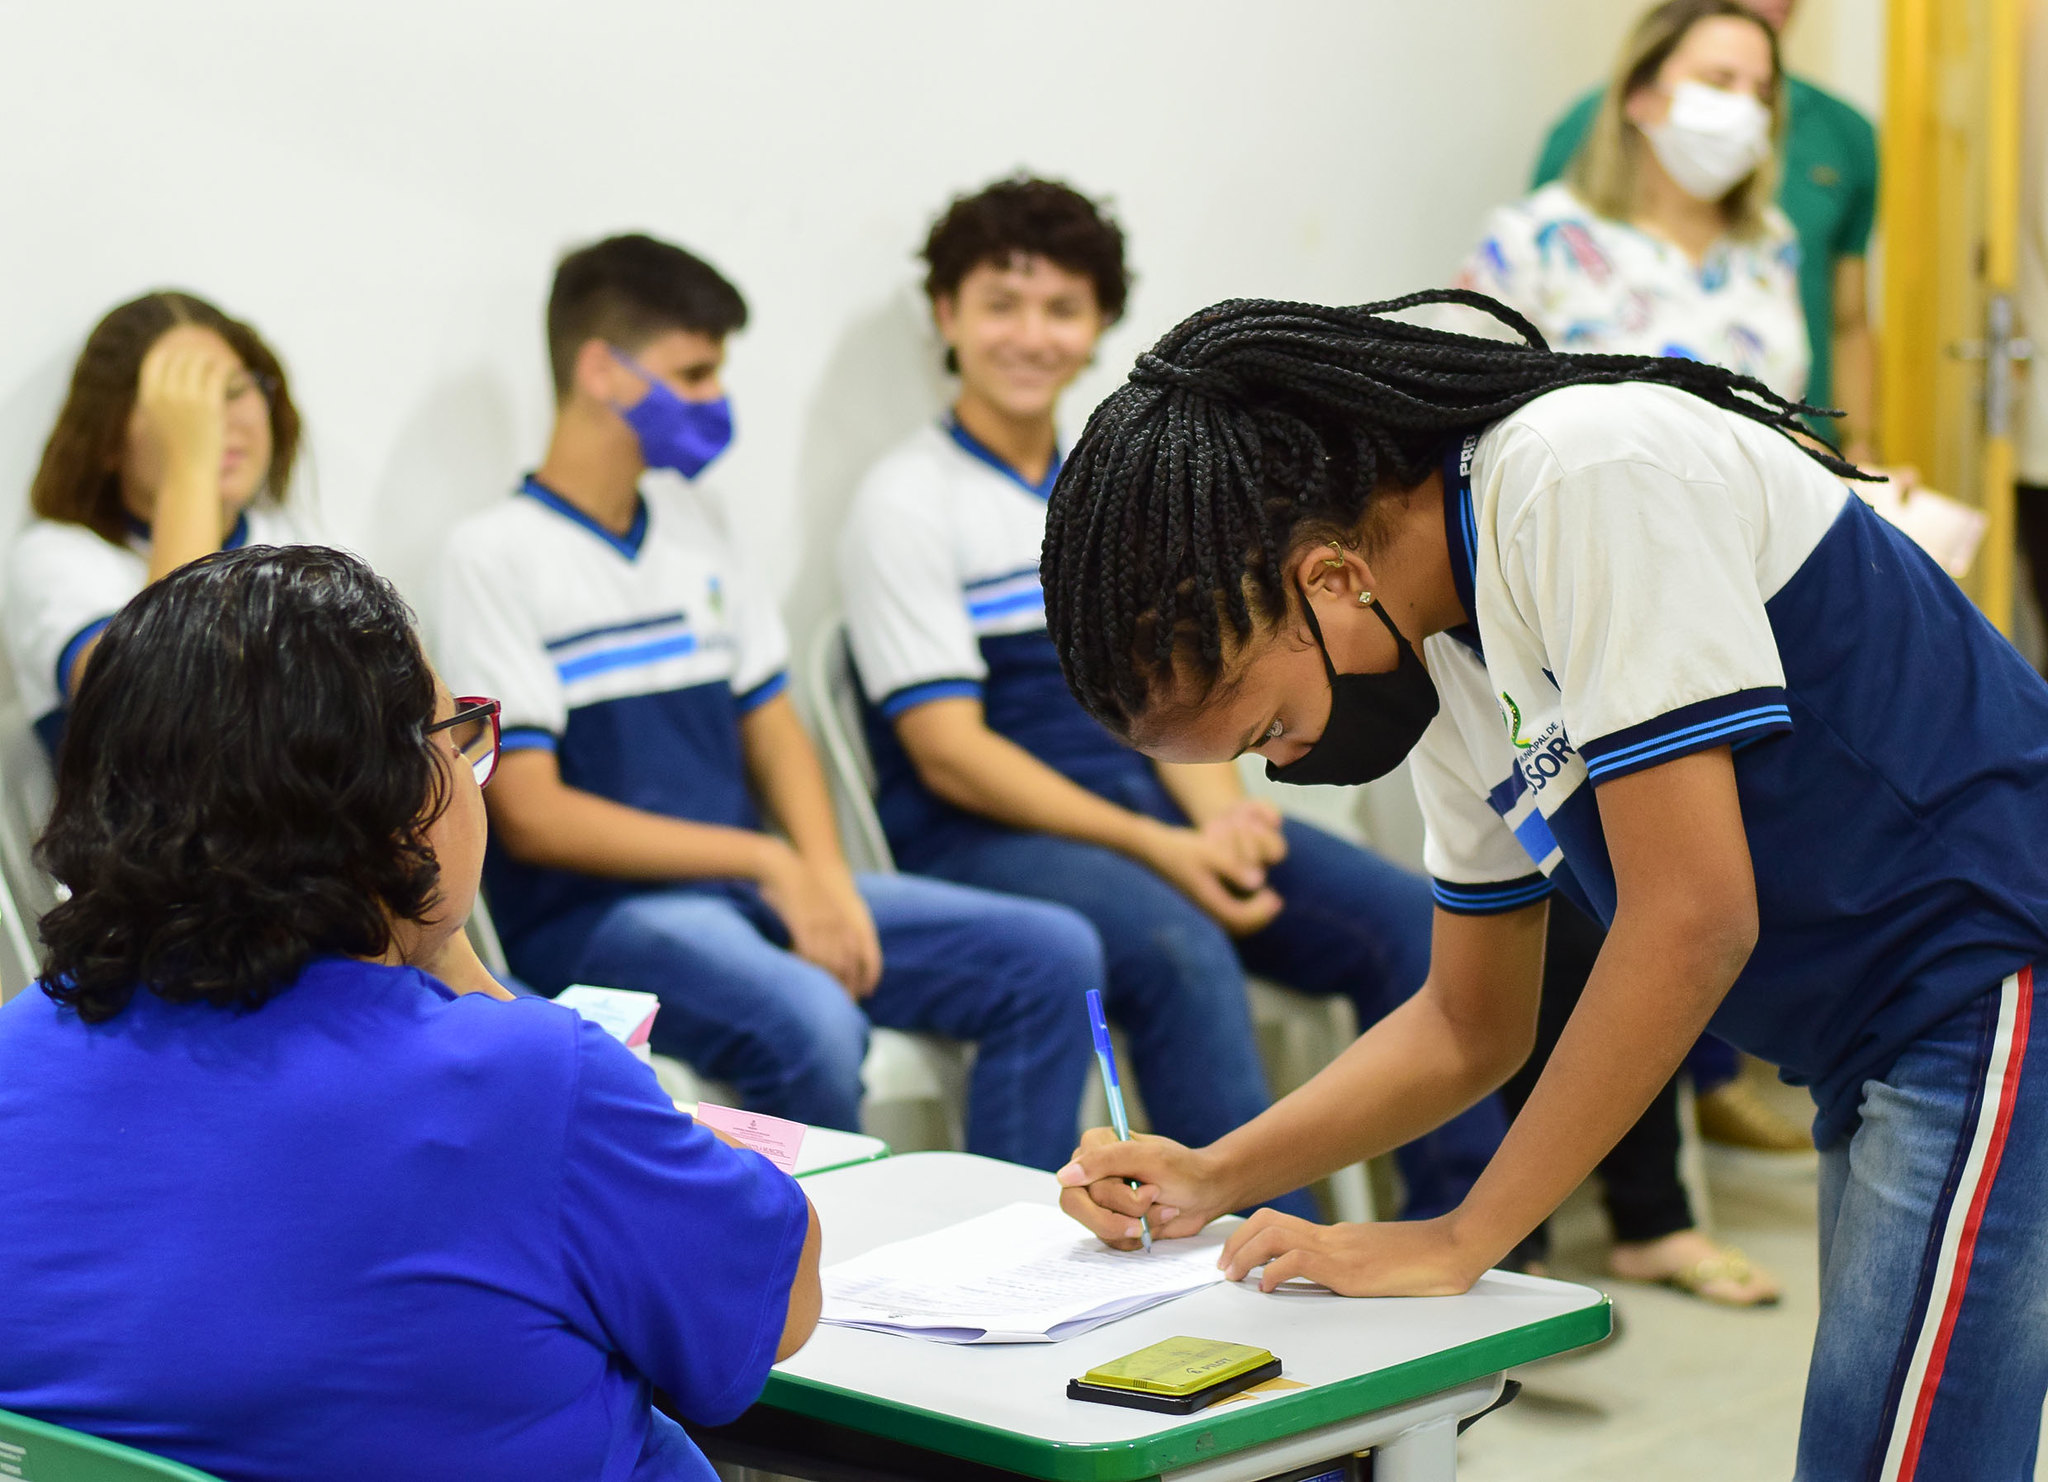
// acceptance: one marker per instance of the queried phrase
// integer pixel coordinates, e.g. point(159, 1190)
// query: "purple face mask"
point(674, 433)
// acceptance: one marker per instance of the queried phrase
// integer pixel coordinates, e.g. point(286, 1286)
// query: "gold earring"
point(1365, 599)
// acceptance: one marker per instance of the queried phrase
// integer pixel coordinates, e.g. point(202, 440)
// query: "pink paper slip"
point(771, 1137)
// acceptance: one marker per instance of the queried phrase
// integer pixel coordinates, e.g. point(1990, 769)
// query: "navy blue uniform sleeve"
point(680, 1249)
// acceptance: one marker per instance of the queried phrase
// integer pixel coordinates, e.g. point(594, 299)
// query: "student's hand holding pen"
point(1177, 1194)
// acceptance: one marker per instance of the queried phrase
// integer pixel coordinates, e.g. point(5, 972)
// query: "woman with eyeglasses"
point(176, 438)
point(290, 1194)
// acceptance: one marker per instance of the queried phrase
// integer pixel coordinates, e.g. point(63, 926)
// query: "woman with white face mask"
point(1662, 239)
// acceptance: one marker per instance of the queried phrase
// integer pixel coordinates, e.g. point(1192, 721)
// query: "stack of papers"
point(623, 1013)
point(1021, 1274)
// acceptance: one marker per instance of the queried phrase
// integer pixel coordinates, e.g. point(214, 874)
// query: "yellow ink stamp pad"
point(1178, 1376)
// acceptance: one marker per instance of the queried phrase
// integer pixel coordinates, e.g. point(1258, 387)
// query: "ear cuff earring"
point(1336, 563)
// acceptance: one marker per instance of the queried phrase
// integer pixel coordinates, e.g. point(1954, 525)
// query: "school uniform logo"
point(1540, 759)
point(1513, 716)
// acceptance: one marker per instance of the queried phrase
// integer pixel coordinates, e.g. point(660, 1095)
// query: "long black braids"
point(1171, 521)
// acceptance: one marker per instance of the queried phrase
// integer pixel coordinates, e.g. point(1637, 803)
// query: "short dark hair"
point(1024, 216)
point(626, 290)
point(244, 784)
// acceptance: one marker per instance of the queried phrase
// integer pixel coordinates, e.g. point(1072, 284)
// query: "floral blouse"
point(1596, 285)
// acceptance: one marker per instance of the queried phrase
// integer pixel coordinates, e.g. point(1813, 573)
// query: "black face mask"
point(1375, 719)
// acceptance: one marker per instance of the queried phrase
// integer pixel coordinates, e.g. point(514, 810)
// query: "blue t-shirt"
point(374, 1229)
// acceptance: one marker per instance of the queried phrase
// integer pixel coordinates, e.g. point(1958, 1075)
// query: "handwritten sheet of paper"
point(1021, 1274)
point(773, 1138)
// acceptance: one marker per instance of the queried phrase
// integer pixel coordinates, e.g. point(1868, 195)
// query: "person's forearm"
point(1407, 1075)
point(565, 828)
point(1656, 982)
point(991, 775)
point(791, 784)
point(1203, 790)
point(185, 523)
point(1855, 391)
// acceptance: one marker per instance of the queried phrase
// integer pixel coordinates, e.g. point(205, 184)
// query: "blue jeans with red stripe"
point(1931, 1362)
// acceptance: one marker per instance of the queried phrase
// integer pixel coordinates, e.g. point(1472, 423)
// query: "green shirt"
point(1829, 191)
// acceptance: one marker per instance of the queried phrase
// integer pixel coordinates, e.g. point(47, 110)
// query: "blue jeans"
point(1931, 1360)
point(1010, 975)
point(1352, 924)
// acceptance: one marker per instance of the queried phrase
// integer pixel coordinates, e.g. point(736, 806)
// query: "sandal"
point(1732, 1267)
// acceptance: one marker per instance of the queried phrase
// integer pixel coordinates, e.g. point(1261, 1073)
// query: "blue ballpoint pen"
point(1113, 1089)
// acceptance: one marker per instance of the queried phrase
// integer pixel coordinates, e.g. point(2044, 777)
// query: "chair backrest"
point(831, 694)
point(483, 935)
point(36, 1451)
point(26, 785)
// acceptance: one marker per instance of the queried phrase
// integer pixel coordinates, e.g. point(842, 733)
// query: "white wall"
point(383, 187)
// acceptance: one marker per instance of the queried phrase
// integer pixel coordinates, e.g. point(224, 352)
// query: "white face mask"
point(1711, 140)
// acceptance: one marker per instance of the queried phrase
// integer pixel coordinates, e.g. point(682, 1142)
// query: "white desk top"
point(1383, 1352)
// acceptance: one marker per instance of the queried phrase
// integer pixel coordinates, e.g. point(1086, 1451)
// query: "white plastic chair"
point(26, 786)
point(908, 1077)
point(1298, 1034)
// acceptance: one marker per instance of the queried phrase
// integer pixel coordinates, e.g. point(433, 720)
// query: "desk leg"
point(1428, 1453)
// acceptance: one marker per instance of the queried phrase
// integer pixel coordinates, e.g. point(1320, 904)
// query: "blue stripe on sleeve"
point(1030, 598)
point(68, 655)
point(763, 692)
point(913, 695)
point(1490, 899)
point(1747, 715)
point(526, 738)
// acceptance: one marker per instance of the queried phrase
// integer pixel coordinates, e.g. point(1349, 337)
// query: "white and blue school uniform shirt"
point(632, 657)
point(65, 582)
point(1650, 576)
point(938, 569)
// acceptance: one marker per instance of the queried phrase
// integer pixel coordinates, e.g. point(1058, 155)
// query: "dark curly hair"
point(244, 785)
point(1027, 217)
point(1254, 426)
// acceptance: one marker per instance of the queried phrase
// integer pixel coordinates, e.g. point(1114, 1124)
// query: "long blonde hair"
point(1603, 172)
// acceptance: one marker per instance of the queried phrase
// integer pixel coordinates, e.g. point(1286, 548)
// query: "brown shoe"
point(1735, 1116)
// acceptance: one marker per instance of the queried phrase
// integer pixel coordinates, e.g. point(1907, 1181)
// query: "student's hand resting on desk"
point(828, 922)
point(1214, 874)
point(1178, 1191)
point(1404, 1258)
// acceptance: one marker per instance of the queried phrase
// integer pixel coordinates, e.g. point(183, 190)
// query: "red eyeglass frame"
point(473, 707)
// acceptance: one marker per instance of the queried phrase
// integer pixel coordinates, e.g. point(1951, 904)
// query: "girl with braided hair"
point(1647, 651)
